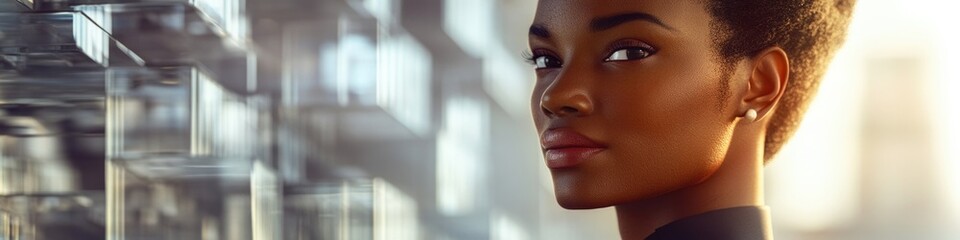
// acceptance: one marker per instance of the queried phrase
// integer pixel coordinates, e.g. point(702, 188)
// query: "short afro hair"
point(809, 31)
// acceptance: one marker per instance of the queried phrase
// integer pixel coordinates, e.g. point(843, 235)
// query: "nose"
point(566, 97)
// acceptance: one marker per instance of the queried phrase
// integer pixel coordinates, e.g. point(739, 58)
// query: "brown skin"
point(675, 147)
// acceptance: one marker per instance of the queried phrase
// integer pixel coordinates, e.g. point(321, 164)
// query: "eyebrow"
point(539, 31)
point(604, 23)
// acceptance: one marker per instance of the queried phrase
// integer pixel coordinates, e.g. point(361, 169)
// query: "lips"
point(565, 148)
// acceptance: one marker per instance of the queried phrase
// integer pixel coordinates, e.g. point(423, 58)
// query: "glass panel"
point(351, 209)
point(51, 137)
point(331, 63)
point(12, 6)
point(310, 63)
point(54, 5)
point(202, 201)
point(505, 227)
point(174, 32)
point(227, 17)
point(386, 11)
point(177, 111)
point(34, 162)
point(461, 153)
point(52, 216)
point(230, 15)
point(35, 41)
point(306, 142)
point(183, 159)
point(369, 75)
point(508, 81)
point(470, 23)
point(161, 90)
point(403, 80)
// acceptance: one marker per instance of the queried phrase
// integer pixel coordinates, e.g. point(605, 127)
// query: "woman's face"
point(629, 101)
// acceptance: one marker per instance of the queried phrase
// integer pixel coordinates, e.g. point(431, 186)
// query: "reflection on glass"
point(52, 216)
point(228, 14)
point(265, 203)
point(34, 164)
point(27, 2)
point(305, 80)
point(67, 40)
point(183, 156)
point(356, 66)
point(217, 118)
point(51, 91)
point(211, 205)
point(403, 80)
point(384, 10)
point(351, 209)
point(179, 112)
point(90, 38)
point(507, 81)
point(372, 74)
point(331, 63)
point(305, 140)
point(470, 24)
point(504, 227)
point(461, 153)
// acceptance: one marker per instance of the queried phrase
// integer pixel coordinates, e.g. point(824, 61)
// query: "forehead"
point(570, 16)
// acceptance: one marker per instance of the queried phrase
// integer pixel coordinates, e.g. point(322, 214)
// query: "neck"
point(738, 182)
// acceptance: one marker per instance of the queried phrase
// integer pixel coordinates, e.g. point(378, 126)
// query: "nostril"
point(545, 110)
point(559, 111)
point(568, 110)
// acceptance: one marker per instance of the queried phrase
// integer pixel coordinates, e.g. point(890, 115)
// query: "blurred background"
point(390, 119)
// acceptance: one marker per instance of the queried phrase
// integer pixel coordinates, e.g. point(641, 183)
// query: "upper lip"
point(566, 138)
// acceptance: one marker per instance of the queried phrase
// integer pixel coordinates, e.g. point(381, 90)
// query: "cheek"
point(668, 122)
point(667, 102)
point(671, 105)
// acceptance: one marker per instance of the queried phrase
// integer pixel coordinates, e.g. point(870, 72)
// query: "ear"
point(767, 83)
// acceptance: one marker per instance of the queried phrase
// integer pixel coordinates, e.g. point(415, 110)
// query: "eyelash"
point(631, 43)
point(531, 56)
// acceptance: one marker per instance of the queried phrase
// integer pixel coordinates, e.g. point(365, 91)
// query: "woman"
point(669, 109)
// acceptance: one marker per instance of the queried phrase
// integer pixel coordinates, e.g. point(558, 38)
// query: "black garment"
point(738, 223)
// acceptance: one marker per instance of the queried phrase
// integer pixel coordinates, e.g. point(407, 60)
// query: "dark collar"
point(740, 223)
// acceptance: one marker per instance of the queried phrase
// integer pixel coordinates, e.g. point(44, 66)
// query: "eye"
point(542, 59)
point(627, 54)
point(546, 61)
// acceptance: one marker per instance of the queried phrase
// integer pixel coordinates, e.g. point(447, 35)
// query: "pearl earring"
point(750, 116)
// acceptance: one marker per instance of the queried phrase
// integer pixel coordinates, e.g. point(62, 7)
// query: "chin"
point(581, 191)
point(579, 204)
point(579, 197)
point(574, 200)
